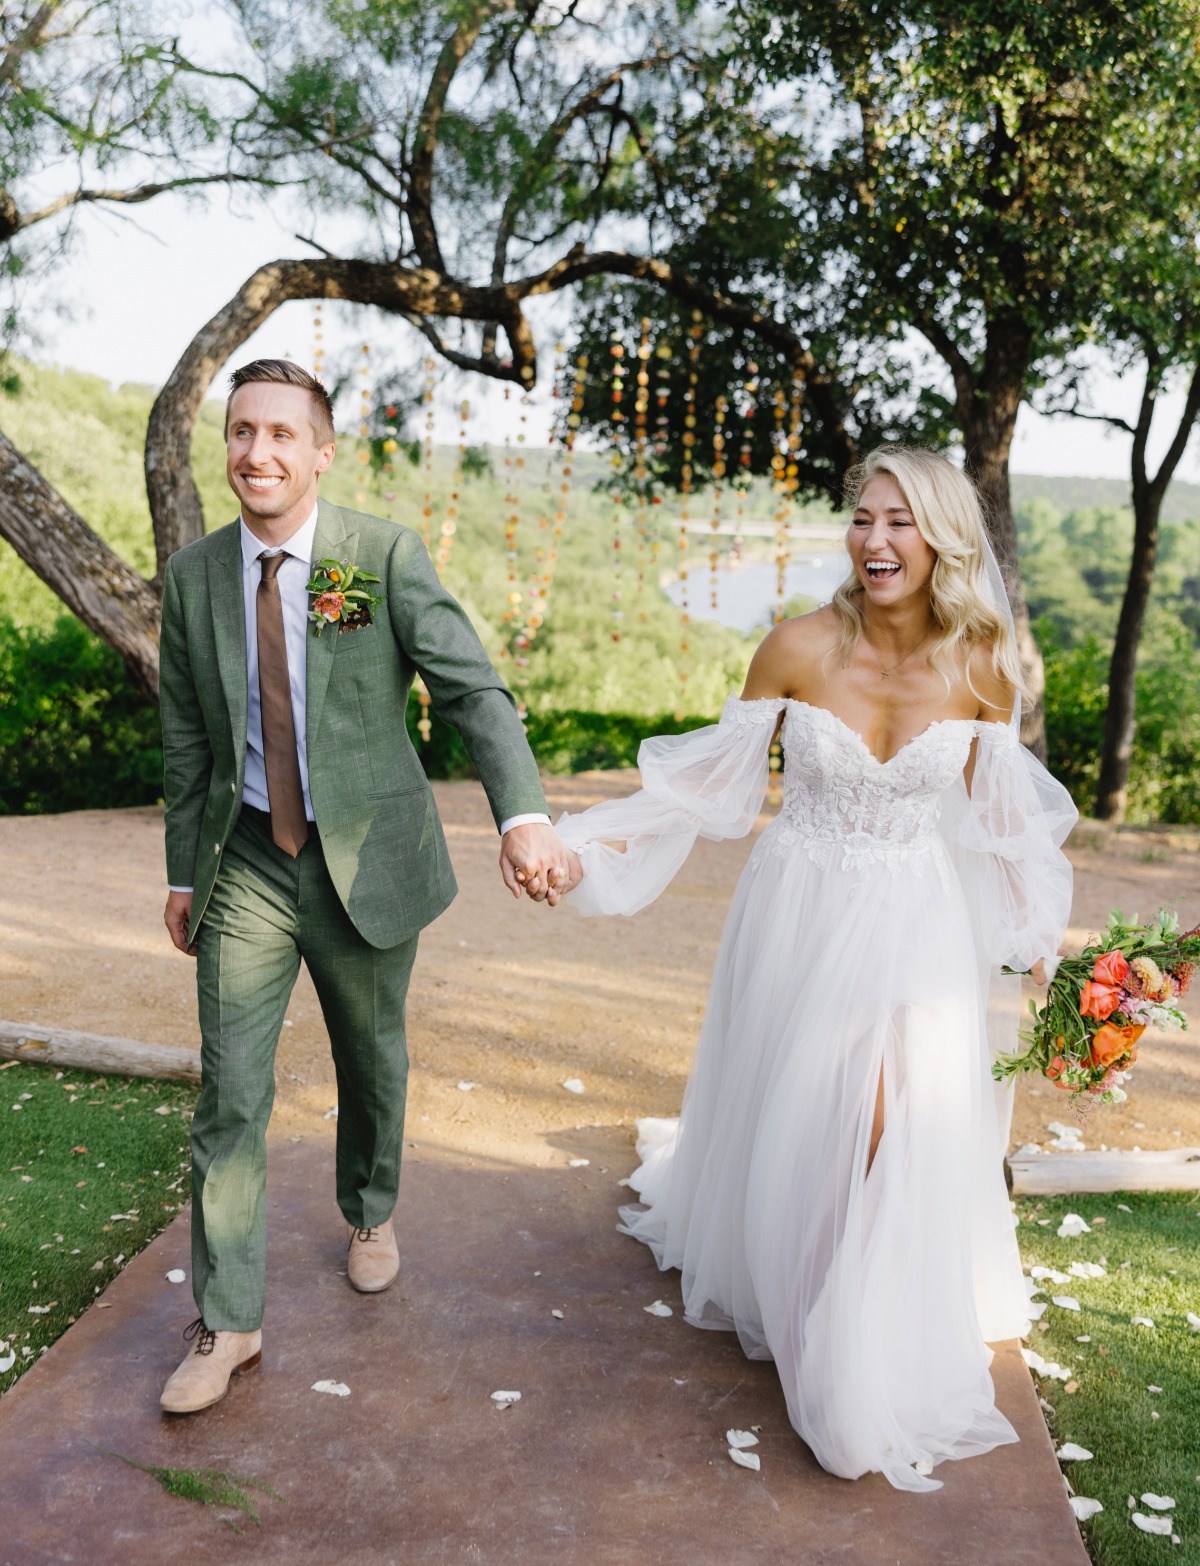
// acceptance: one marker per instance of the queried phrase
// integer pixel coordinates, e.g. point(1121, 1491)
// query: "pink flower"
point(329, 607)
point(1110, 968)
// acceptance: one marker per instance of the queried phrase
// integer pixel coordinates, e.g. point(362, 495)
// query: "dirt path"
point(513, 999)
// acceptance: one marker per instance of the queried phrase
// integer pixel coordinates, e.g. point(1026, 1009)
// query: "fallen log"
point(41, 1046)
point(1066, 1174)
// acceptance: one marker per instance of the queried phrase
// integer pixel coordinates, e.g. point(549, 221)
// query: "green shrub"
point(563, 742)
point(1164, 780)
point(74, 734)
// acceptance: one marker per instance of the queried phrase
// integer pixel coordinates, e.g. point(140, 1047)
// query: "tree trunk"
point(987, 438)
point(91, 579)
point(1117, 748)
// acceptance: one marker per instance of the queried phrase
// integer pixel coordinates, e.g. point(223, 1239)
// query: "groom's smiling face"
point(273, 459)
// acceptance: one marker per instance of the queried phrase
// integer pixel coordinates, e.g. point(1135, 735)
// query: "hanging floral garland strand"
point(746, 454)
point(688, 441)
point(641, 416)
point(718, 473)
point(618, 418)
point(562, 441)
point(318, 341)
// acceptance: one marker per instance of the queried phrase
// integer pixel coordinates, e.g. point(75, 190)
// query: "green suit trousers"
point(267, 912)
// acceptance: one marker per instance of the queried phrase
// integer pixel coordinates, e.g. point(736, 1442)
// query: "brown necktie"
point(289, 825)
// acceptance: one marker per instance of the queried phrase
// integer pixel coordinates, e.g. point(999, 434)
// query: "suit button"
point(217, 849)
point(233, 788)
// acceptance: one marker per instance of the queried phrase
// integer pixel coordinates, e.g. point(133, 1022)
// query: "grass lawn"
point(1132, 1397)
point(93, 1169)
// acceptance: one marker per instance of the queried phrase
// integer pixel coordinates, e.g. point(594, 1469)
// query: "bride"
point(833, 1190)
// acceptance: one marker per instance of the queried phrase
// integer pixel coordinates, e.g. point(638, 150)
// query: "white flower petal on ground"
point(1141, 1321)
point(745, 1459)
point(573, 1085)
point(176, 1275)
point(1068, 1144)
point(558, 1315)
point(1121, 1208)
point(1158, 1503)
point(1084, 1337)
point(504, 1399)
point(1047, 1275)
point(337, 1388)
point(741, 1438)
point(1045, 1367)
point(467, 1087)
point(1068, 1452)
point(1083, 1508)
point(1028, 1150)
point(1160, 1525)
point(1035, 1309)
point(330, 1114)
point(1066, 1302)
point(7, 1362)
point(40, 1310)
point(658, 1309)
point(1079, 1269)
point(923, 1467)
point(1193, 1321)
point(1153, 1389)
point(1072, 1227)
point(579, 1163)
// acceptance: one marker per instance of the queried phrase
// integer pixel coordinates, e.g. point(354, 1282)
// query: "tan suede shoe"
point(373, 1259)
point(203, 1378)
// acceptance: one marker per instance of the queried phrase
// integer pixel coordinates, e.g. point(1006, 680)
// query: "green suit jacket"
point(375, 812)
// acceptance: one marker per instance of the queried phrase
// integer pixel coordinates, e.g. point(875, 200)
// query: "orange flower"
point(1112, 1045)
point(1110, 968)
point(1099, 1000)
point(1055, 1070)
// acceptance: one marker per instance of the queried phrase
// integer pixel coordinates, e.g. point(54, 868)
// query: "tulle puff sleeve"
point(1007, 834)
point(709, 783)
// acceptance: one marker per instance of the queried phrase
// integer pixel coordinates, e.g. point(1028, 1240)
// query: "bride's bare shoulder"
point(790, 654)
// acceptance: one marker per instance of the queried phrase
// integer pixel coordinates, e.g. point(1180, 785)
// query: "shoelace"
point(204, 1336)
point(367, 1236)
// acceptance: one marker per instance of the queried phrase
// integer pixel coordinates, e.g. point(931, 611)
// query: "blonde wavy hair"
point(949, 517)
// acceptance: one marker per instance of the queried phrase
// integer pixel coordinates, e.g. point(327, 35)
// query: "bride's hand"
point(1038, 972)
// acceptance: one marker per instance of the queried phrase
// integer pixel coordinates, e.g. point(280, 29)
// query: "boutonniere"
point(341, 596)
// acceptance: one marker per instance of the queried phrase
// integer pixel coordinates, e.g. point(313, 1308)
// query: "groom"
point(299, 825)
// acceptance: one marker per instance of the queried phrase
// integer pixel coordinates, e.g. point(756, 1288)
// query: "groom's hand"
point(534, 859)
point(177, 918)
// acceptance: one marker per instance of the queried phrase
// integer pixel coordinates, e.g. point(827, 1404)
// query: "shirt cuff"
point(179, 888)
point(516, 821)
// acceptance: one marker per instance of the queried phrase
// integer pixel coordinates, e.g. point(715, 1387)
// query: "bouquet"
point(1084, 1038)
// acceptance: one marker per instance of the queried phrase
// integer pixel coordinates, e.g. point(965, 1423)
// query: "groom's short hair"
point(283, 372)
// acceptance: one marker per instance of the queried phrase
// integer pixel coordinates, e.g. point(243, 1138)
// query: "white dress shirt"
point(292, 577)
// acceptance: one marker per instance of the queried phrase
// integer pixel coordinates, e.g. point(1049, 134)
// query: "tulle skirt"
point(876, 1292)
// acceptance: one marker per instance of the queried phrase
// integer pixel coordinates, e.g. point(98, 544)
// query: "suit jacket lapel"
point(334, 542)
point(228, 605)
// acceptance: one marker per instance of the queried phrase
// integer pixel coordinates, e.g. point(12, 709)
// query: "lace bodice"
point(840, 801)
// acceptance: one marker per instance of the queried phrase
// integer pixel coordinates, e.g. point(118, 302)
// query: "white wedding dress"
point(865, 934)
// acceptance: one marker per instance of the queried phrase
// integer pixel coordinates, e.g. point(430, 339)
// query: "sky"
point(150, 276)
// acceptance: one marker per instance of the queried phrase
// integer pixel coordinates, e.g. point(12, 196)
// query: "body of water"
point(746, 593)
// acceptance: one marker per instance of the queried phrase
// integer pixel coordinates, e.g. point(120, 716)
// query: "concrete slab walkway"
point(615, 1455)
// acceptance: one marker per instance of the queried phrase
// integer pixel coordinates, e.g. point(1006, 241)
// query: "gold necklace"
point(892, 667)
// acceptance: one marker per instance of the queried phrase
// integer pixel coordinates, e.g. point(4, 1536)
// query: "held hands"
point(534, 859)
point(177, 918)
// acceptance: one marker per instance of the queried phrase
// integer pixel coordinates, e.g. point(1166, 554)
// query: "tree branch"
point(94, 582)
point(136, 194)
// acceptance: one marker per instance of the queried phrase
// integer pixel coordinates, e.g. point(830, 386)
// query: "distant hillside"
point(1078, 494)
